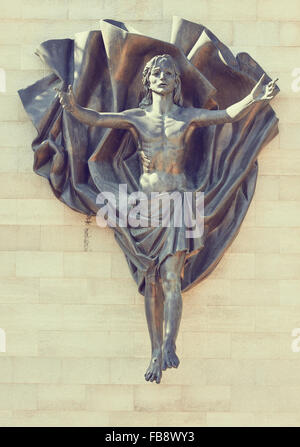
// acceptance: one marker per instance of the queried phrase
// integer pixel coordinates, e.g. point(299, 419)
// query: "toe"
point(175, 362)
point(169, 363)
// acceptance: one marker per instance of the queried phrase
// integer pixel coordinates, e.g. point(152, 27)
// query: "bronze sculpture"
point(163, 129)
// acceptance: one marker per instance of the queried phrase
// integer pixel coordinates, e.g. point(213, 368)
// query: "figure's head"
point(161, 76)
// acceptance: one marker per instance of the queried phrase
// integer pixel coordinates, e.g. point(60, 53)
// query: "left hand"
point(263, 91)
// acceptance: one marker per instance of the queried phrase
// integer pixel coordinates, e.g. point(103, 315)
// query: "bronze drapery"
point(105, 68)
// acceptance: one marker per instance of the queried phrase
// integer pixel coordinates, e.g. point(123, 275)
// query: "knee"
point(168, 276)
point(170, 281)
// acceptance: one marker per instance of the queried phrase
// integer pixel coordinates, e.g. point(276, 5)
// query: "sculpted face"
point(163, 77)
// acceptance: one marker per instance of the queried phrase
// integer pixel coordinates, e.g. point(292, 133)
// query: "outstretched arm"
point(238, 110)
point(91, 117)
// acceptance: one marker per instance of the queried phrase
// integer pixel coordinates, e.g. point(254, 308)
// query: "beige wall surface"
point(76, 336)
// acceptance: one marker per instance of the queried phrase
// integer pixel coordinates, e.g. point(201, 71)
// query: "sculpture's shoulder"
point(185, 114)
point(134, 113)
point(190, 113)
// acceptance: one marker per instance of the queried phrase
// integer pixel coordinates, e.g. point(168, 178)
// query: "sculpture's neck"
point(162, 104)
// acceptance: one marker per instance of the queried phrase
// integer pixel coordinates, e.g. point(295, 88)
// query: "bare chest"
point(161, 132)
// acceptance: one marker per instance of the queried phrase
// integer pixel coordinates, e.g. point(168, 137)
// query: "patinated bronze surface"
point(185, 116)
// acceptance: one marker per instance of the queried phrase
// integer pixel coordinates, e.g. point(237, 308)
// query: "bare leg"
point(154, 313)
point(170, 274)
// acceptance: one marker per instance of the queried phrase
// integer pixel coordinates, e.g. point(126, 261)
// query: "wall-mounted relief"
point(161, 138)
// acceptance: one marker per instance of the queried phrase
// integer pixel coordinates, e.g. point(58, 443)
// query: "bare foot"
point(154, 373)
point(170, 359)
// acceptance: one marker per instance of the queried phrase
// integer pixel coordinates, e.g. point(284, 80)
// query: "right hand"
point(67, 99)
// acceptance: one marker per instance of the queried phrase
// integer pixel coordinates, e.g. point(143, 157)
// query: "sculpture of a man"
point(161, 127)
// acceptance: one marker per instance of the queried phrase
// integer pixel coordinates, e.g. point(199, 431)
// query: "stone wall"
point(76, 336)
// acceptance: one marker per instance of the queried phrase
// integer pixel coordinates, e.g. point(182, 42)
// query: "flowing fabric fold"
point(105, 68)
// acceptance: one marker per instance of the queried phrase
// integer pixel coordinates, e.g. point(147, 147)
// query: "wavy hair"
point(147, 100)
